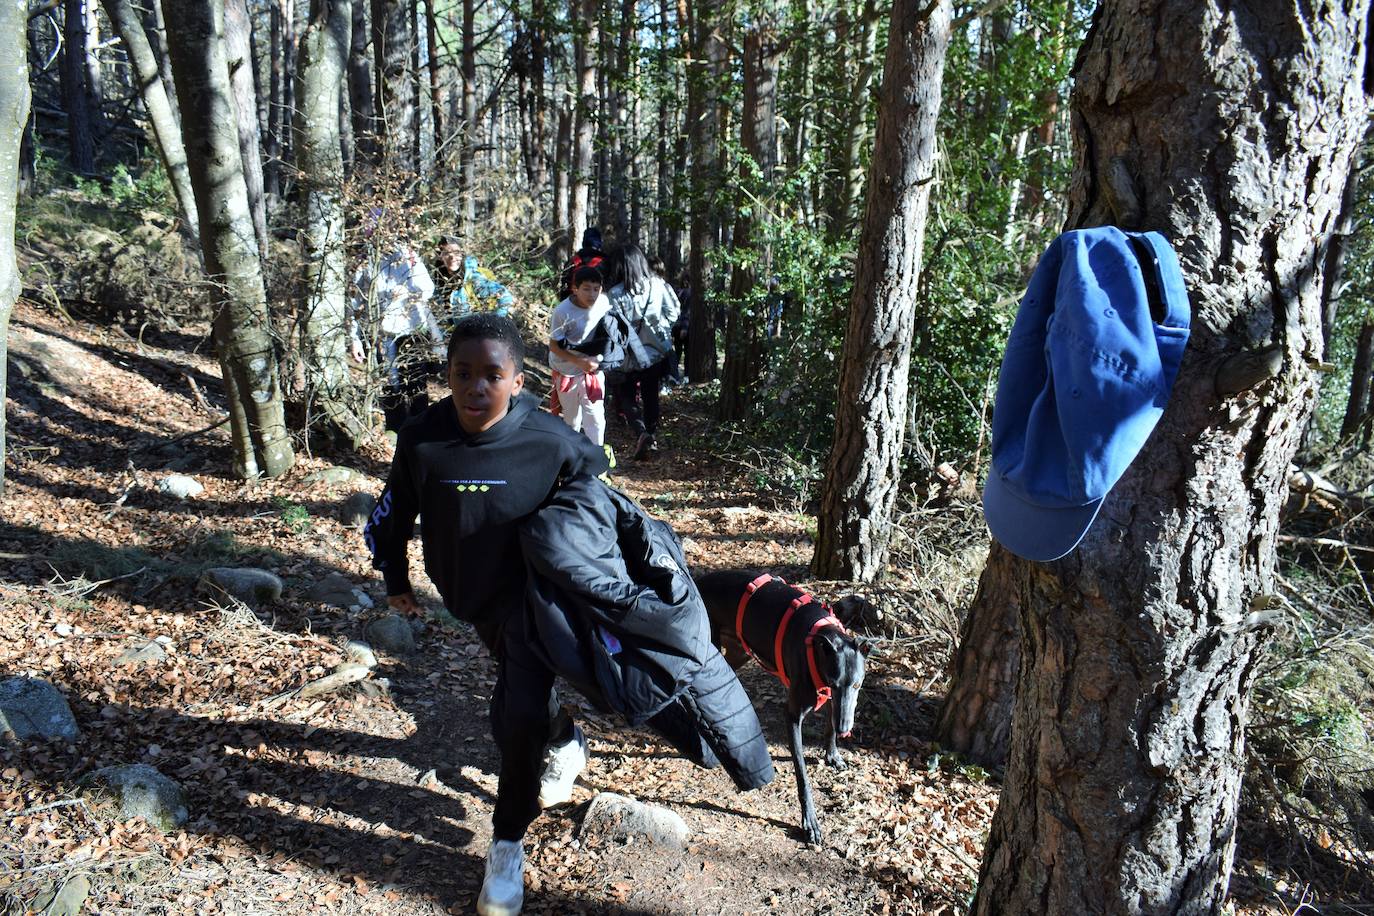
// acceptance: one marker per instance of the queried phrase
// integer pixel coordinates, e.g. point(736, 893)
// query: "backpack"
point(615, 340)
point(584, 257)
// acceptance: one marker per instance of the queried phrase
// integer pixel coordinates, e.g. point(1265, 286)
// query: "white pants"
point(581, 412)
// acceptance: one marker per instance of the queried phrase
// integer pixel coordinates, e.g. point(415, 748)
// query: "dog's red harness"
point(829, 620)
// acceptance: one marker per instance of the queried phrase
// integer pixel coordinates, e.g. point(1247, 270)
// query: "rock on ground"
point(617, 817)
point(336, 589)
point(335, 476)
point(180, 486)
point(141, 791)
point(249, 585)
point(357, 509)
point(65, 899)
point(33, 708)
point(392, 634)
point(142, 652)
point(360, 653)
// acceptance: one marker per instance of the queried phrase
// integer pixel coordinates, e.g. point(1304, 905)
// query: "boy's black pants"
point(523, 721)
point(648, 380)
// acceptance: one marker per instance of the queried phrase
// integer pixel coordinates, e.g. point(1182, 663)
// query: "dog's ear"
point(866, 645)
point(857, 612)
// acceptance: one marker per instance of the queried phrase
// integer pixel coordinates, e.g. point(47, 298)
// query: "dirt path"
point(372, 801)
point(380, 803)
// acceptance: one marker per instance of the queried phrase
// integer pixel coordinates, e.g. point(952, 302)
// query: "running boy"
point(477, 464)
point(578, 378)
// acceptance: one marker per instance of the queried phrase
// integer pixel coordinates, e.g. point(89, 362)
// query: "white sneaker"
point(503, 889)
point(562, 764)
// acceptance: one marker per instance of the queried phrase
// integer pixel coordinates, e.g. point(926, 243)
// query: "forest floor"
point(378, 801)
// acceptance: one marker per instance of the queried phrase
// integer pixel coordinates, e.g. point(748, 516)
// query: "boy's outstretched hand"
point(405, 603)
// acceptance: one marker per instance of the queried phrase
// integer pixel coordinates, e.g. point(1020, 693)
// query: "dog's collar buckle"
point(822, 697)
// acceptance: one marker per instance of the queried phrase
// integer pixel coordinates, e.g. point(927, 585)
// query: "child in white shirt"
point(578, 379)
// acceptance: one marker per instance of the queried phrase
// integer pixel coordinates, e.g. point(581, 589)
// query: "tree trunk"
point(1355, 415)
point(1141, 647)
point(561, 248)
point(360, 99)
point(854, 133)
point(539, 103)
point(238, 48)
point(863, 473)
point(75, 95)
point(157, 37)
point(95, 90)
point(323, 62)
point(393, 32)
point(424, 121)
point(14, 114)
point(166, 131)
point(975, 719)
point(706, 70)
point(242, 330)
point(665, 133)
point(584, 128)
point(282, 18)
point(745, 323)
point(436, 77)
point(467, 191)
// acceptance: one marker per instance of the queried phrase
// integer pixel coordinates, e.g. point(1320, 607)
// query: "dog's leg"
point(810, 826)
point(832, 753)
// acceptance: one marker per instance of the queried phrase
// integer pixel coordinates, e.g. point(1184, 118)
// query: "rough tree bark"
point(707, 67)
point(436, 78)
point(166, 130)
point(323, 60)
point(1230, 129)
point(242, 330)
point(76, 100)
point(1356, 405)
point(975, 718)
point(744, 325)
point(282, 16)
point(360, 87)
point(467, 185)
point(393, 32)
point(587, 39)
point(561, 247)
point(14, 114)
point(863, 472)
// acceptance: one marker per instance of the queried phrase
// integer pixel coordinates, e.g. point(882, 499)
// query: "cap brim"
point(1030, 531)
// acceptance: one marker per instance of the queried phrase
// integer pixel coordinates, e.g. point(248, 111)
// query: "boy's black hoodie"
point(473, 491)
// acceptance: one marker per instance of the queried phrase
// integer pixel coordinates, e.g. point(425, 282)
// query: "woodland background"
point(199, 179)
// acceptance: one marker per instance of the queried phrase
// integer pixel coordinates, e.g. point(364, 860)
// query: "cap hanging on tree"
point(1088, 368)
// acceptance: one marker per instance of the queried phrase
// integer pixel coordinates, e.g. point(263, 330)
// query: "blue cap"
point(1087, 371)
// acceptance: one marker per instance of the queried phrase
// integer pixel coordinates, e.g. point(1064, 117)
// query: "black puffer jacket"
point(610, 607)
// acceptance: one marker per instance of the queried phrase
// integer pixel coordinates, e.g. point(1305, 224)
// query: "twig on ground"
point(342, 676)
point(183, 437)
point(1304, 541)
point(64, 803)
point(80, 587)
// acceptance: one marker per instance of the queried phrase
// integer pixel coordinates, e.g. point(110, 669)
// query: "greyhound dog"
point(798, 639)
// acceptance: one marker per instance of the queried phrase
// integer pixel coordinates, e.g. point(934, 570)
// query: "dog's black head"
point(841, 663)
point(858, 613)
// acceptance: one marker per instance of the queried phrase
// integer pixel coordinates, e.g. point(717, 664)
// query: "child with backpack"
point(579, 383)
point(589, 255)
